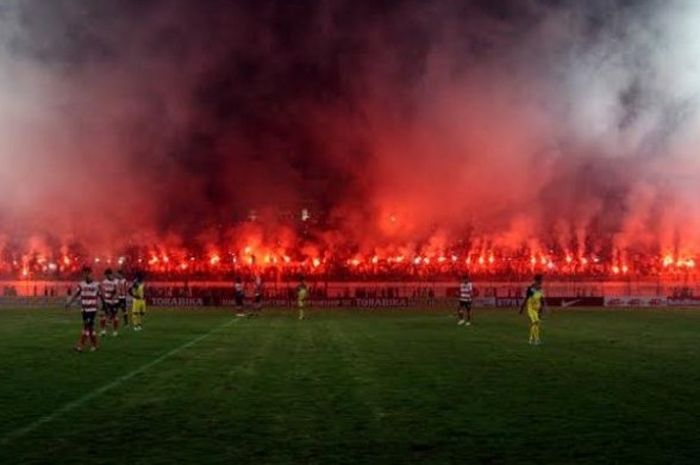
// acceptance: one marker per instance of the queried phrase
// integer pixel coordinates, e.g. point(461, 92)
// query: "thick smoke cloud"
point(552, 124)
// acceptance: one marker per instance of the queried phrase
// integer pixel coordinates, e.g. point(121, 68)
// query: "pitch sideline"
point(107, 387)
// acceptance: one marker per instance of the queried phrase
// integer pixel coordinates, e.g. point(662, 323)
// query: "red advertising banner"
point(388, 302)
point(32, 302)
point(567, 302)
point(562, 302)
point(684, 302)
point(636, 301)
point(380, 302)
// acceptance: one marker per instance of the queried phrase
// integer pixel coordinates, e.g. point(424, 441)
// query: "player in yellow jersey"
point(302, 295)
point(535, 304)
point(138, 306)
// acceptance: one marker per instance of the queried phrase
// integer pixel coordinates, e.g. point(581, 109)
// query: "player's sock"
point(93, 339)
point(115, 324)
point(83, 339)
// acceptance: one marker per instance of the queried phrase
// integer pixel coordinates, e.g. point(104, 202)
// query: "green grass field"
point(612, 387)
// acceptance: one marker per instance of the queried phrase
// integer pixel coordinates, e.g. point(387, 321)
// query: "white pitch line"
point(107, 387)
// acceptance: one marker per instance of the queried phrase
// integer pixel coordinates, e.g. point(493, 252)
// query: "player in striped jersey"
point(239, 296)
point(466, 291)
point(257, 297)
point(109, 303)
point(122, 288)
point(88, 291)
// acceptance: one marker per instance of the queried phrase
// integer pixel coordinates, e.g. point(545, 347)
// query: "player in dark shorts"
point(239, 295)
point(108, 292)
point(88, 291)
point(257, 299)
point(466, 291)
point(122, 290)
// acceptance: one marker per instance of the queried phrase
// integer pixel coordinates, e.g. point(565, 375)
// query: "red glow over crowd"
point(277, 263)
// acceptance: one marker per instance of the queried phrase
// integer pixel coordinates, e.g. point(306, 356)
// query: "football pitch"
point(354, 387)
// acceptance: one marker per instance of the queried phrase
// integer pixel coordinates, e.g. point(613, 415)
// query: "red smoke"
point(419, 138)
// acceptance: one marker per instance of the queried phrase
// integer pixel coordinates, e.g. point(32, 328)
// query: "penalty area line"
point(107, 387)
